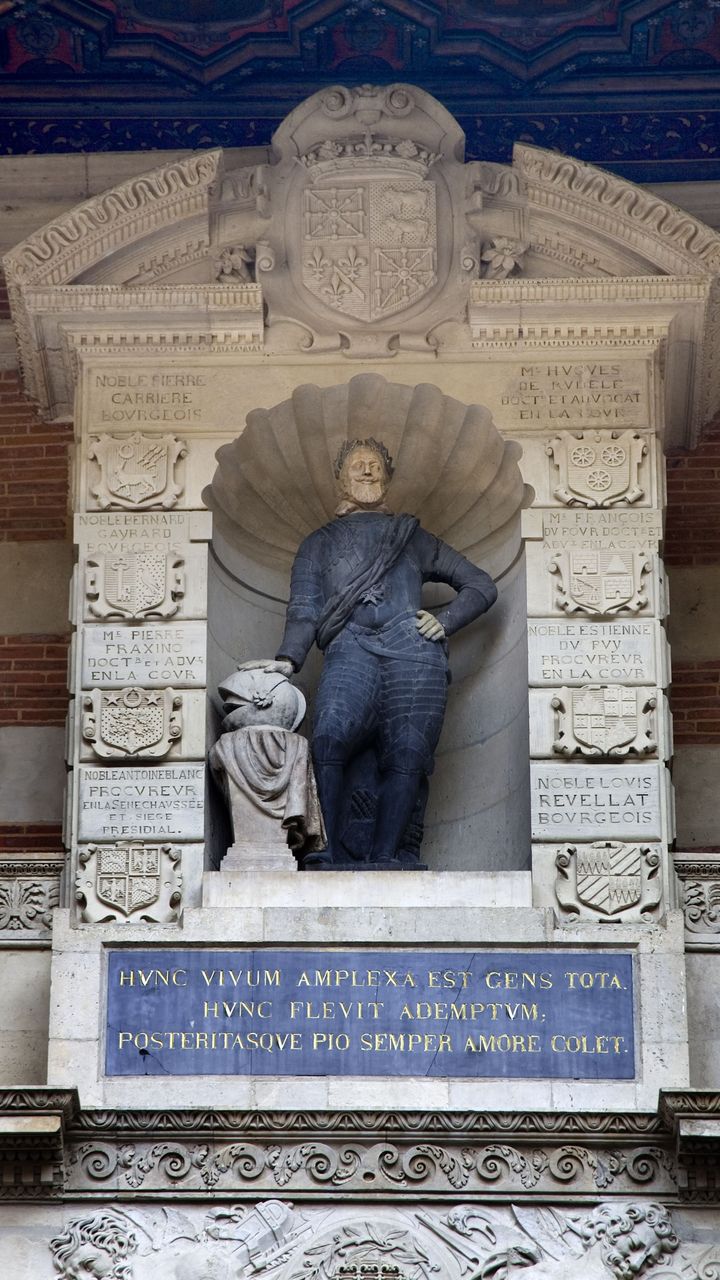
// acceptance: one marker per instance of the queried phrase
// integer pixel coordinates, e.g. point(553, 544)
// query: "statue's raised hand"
point(283, 666)
point(428, 625)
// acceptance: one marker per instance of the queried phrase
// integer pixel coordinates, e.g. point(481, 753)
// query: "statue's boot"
point(398, 794)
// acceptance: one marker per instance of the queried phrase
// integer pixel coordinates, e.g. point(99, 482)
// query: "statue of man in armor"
point(356, 592)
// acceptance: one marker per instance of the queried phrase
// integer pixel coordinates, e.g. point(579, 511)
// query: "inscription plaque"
point(599, 393)
point(595, 802)
point(588, 652)
point(612, 530)
point(116, 531)
point(550, 1014)
point(154, 656)
point(132, 802)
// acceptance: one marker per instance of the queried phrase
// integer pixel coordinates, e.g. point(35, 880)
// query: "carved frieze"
point(355, 1166)
point(610, 881)
point(137, 471)
point(604, 720)
point(132, 723)
point(129, 880)
point(598, 468)
point(134, 584)
point(284, 1241)
point(601, 582)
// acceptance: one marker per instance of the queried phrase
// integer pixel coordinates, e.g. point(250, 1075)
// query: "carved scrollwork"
point(359, 1165)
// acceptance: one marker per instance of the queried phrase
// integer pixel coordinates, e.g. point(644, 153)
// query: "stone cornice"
point(51, 1149)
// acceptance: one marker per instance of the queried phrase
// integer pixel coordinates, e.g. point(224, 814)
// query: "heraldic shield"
point(605, 719)
point(132, 722)
point(128, 877)
point(609, 878)
point(598, 468)
point(136, 470)
point(369, 246)
point(134, 584)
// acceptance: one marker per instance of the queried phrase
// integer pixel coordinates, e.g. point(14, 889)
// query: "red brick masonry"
point(34, 469)
point(33, 679)
point(693, 515)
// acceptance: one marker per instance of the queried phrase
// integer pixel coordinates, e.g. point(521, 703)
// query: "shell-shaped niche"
point(275, 483)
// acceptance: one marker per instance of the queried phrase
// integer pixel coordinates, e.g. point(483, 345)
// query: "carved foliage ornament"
point(598, 468)
point(604, 720)
point(136, 471)
point(132, 723)
point(27, 903)
point(134, 584)
point(609, 881)
point(356, 1166)
point(601, 582)
point(129, 881)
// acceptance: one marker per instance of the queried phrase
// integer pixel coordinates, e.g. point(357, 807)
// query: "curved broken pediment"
point(368, 237)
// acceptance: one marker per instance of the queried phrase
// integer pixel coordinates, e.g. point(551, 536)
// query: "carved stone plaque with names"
point(630, 651)
point(610, 530)
point(153, 802)
point(153, 656)
point(595, 802)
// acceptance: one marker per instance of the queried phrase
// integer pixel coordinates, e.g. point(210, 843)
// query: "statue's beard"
point(364, 493)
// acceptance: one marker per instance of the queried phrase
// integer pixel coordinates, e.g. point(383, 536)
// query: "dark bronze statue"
point(356, 592)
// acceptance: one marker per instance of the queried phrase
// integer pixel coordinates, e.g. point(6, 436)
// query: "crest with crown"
point(367, 176)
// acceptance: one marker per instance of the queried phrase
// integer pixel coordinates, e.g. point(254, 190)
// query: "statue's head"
point(363, 470)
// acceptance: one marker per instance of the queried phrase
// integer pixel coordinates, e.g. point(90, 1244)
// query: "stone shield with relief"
point(136, 471)
point(598, 468)
point(132, 722)
point(129, 880)
point(134, 584)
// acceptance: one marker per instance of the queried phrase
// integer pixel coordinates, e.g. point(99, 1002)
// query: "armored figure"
point(356, 592)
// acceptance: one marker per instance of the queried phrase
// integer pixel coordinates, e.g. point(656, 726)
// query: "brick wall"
point(692, 534)
point(34, 489)
point(34, 469)
point(33, 679)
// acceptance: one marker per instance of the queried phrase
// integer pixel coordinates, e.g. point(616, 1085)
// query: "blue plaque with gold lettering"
point(516, 1014)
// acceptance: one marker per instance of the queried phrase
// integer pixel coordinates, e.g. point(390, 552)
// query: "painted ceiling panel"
point(631, 84)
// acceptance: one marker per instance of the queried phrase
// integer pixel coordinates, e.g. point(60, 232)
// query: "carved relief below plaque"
point(128, 881)
point(604, 720)
point(137, 471)
point(134, 584)
point(601, 582)
point(609, 881)
point(598, 468)
point(132, 723)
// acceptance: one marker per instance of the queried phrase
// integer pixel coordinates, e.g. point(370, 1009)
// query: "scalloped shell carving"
point(275, 483)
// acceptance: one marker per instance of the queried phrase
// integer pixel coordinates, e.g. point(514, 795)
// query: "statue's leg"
point(344, 722)
point(398, 794)
point(412, 707)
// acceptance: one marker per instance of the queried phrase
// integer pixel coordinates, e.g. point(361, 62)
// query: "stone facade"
point(532, 340)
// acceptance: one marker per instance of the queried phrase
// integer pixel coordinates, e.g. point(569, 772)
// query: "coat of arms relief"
point(134, 584)
point(598, 468)
point(136, 471)
point(371, 215)
point(609, 881)
point(129, 880)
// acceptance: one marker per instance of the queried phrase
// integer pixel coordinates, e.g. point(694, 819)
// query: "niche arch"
point(274, 484)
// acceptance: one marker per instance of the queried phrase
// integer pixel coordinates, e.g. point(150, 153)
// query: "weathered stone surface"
point(627, 650)
point(594, 802)
point(145, 801)
point(151, 655)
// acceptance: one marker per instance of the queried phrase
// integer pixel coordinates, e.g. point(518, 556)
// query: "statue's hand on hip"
point(428, 625)
point(283, 666)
